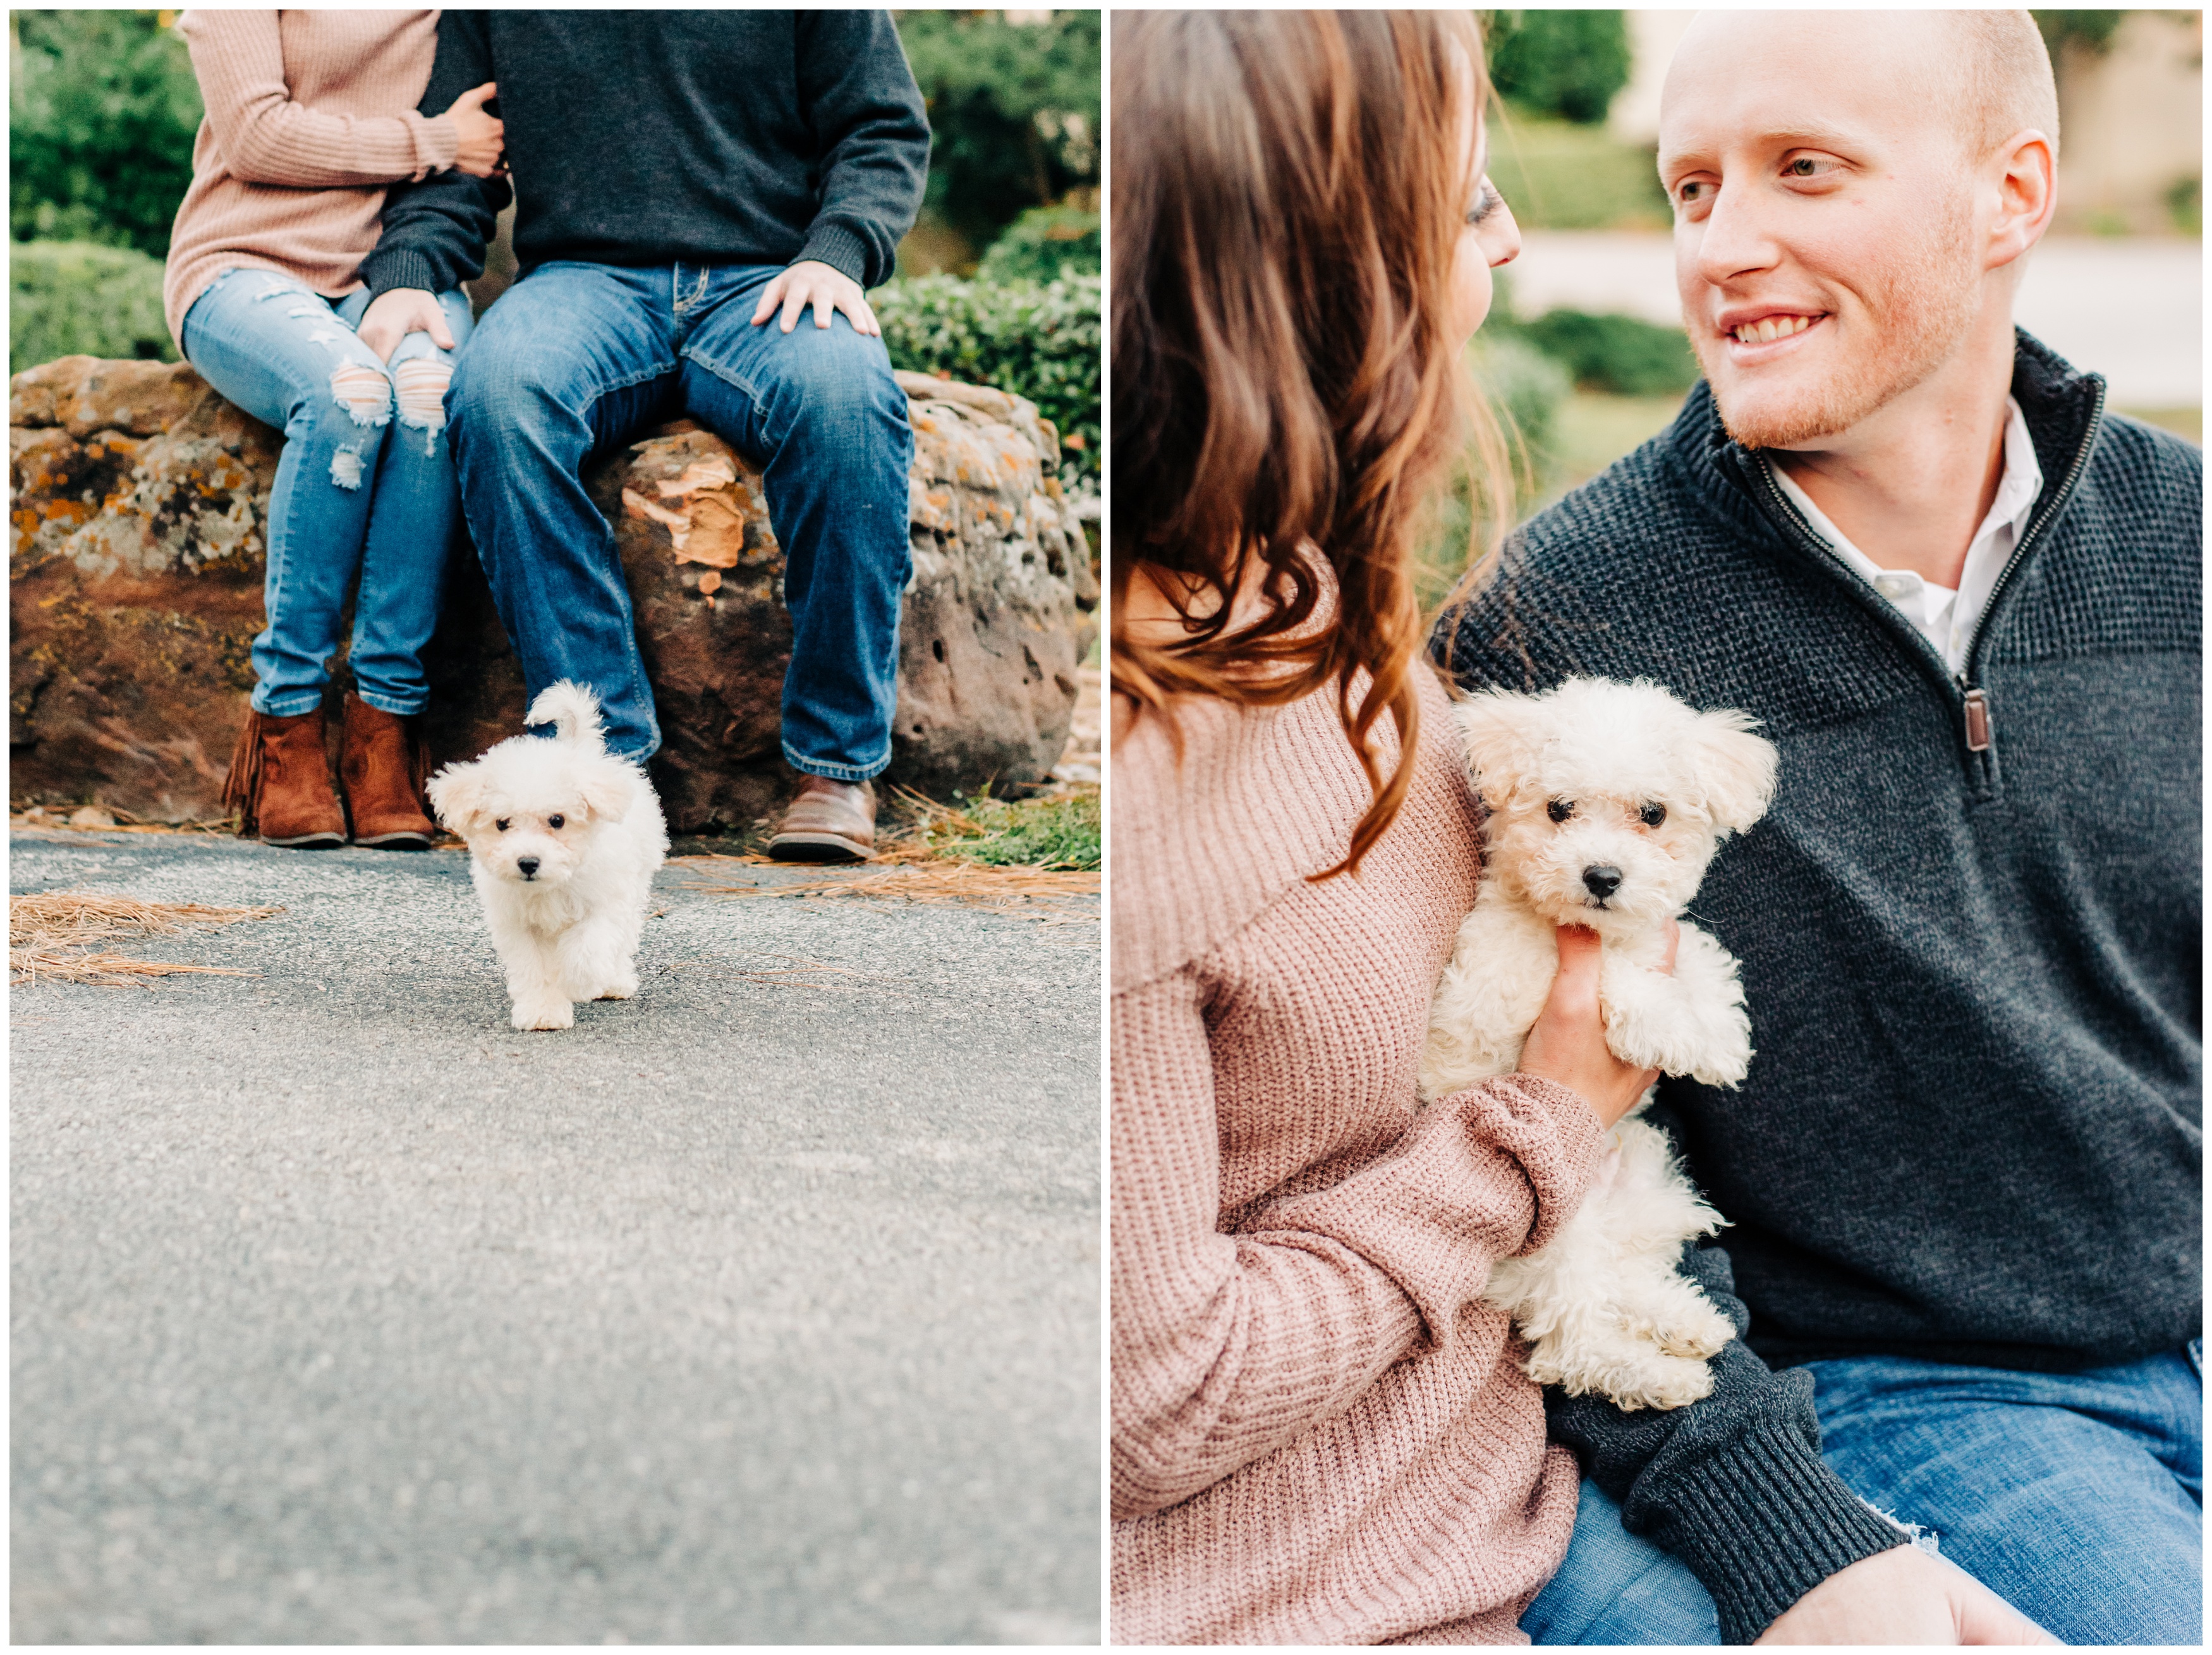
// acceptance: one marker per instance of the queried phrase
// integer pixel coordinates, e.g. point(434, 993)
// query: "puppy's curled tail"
point(573, 711)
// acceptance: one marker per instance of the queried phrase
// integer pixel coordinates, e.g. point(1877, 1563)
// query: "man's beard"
point(1924, 309)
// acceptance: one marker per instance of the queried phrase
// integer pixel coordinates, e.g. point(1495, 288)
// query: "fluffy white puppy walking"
point(563, 840)
point(1606, 803)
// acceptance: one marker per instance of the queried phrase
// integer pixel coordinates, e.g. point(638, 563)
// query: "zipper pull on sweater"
point(1978, 720)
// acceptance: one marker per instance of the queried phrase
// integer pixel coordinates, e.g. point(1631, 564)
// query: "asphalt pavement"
point(764, 1307)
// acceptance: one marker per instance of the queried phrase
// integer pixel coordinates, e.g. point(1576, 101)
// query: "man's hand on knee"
point(828, 289)
point(1903, 1597)
point(391, 317)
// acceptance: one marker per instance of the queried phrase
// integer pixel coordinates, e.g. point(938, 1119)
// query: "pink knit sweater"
point(1319, 1434)
point(309, 114)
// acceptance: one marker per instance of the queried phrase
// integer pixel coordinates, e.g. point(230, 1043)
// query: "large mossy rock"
point(135, 574)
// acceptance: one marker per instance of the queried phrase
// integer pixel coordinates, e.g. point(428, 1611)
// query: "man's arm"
point(435, 232)
point(871, 136)
point(1735, 1485)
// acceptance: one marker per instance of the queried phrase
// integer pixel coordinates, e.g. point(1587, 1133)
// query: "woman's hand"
point(1903, 1597)
point(1568, 1042)
point(482, 137)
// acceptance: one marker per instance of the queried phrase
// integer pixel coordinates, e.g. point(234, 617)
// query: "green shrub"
point(1060, 832)
point(1567, 64)
point(1036, 339)
point(1044, 243)
point(1624, 355)
point(102, 108)
point(70, 297)
point(1013, 111)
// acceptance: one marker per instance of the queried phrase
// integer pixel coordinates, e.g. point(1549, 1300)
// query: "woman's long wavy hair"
point(1289, 190)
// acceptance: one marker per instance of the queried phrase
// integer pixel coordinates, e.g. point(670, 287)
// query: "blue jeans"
point(570, 363)
point(2078, 1497)
point(1614, 1587)
point(355, 496)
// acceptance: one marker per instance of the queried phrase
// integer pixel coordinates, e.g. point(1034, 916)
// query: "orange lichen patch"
point(707, 527)
point(711, 581)
point(714, 471)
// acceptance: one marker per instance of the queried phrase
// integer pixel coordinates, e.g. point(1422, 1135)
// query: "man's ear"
point(457, 795)
point(606, 792)
point(1496, 733)
point(1735, 767)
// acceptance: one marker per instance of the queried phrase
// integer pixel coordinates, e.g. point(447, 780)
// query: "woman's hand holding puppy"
point(1567, 1045)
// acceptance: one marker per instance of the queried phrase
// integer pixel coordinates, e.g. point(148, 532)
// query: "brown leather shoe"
point(280, 783)
point(382, 770)
point(828, 822)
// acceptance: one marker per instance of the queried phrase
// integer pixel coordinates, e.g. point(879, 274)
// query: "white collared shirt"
point(1947, 616)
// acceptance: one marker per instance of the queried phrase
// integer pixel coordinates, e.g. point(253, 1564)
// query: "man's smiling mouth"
point(1767, 329)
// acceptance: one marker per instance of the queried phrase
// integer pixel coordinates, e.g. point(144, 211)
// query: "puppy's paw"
point(622, 989)
point(544, 1014)
point(1660, 1382)
point(1698, 1331)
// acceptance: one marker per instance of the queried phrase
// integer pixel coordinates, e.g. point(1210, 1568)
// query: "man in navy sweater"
point(1964, 599)
point(688, 184)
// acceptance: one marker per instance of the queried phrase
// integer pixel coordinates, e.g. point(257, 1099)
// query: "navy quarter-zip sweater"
point(1972, 925)
point(657, 137)
point(1971, 936)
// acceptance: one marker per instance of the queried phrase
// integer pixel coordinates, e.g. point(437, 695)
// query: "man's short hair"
point(2009, 84)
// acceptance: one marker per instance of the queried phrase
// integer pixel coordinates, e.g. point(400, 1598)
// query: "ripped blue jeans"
point(365, 490)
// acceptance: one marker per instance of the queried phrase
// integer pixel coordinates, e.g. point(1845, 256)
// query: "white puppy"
point(563, 840)
point(1605, 802)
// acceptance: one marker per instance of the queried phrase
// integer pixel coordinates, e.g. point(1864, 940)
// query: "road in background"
point(762, 1308)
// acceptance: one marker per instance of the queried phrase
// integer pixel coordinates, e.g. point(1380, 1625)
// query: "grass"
point(1556, 175)
point(50, 937)
point(1059, 832)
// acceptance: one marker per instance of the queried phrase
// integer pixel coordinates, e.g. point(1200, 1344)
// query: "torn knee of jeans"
point(362, 392)
point(420, 382)
point(345, 468)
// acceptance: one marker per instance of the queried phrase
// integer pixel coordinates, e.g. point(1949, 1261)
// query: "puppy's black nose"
point(529, 866)
point(1603, 881)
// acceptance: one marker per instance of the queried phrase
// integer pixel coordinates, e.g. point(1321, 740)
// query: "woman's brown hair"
point(1289, 192)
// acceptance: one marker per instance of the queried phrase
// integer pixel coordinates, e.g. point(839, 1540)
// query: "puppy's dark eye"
point(1561, 809)
point(555, 821)
point(1653, 814)
point(502, 825)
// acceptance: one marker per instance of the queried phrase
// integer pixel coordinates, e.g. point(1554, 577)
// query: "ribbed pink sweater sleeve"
point(1226, 1345)
point(266, 137)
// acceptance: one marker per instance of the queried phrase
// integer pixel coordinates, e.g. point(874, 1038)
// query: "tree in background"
point(101, 111)
point(1567, 64)
point(1014, 108)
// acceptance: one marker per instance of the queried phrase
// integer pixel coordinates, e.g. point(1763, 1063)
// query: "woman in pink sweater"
point(1320, 1433)
point(310, 114)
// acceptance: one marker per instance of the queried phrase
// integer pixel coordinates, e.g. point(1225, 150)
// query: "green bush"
point(1526, 391)
point(1042, 244)
point(102, 108)
point(1013, 111)
point(1567, 64)
point(70, 297)
point(1624, 355)
point(1036, 339)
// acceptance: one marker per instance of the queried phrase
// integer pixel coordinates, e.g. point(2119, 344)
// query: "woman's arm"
point(267, 138)
point(1226, 1347)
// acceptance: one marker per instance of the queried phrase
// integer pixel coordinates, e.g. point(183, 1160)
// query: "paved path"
point(2131, 309)
point(746, 1310)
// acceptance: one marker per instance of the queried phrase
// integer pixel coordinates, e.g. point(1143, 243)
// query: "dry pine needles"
point(50, 937)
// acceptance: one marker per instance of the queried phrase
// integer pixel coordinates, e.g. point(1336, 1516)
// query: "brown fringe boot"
point(280, 783)
point(383, 768)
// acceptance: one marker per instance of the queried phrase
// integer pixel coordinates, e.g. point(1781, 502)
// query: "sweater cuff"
point(397, 267)
point(437, 141)
point(832, 244)
point(1768, 1482)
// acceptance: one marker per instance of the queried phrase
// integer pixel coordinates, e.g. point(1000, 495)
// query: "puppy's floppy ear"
point(1497, 733)
point(605, 789)
point(457, 795)
point(1735, 769)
